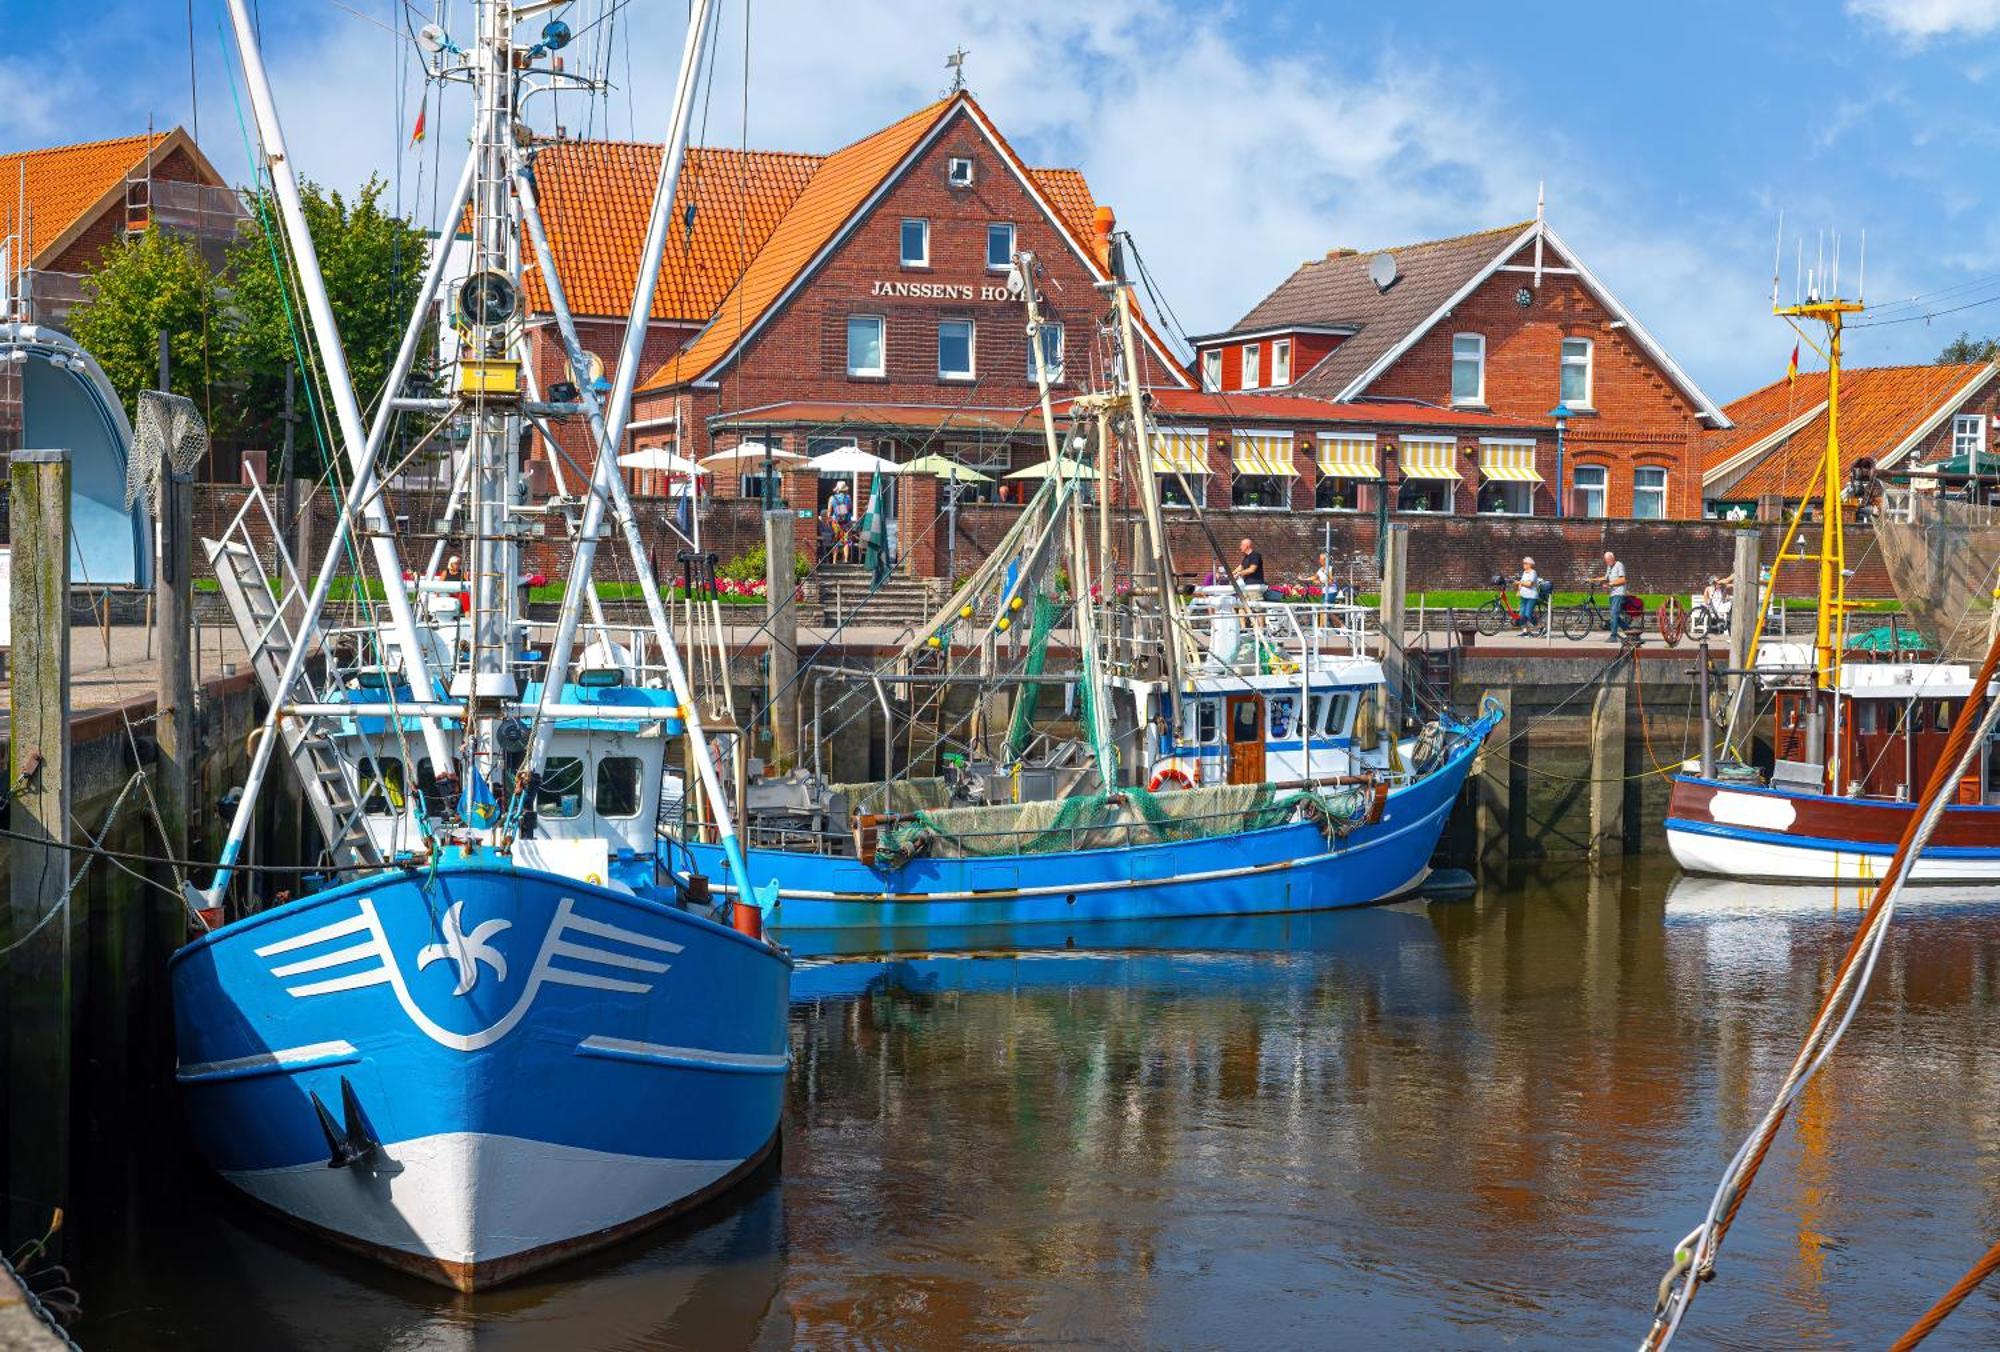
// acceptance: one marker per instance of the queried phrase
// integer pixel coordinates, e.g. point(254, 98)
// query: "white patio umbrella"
point(660, 458)
point(852, 459)
point(748, 450)
point(1072, 469)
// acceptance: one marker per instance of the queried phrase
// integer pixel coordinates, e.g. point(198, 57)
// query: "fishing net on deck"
point(894, 797)
point(1122, 818)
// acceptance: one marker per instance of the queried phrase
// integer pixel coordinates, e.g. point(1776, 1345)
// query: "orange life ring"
point(1169, 772)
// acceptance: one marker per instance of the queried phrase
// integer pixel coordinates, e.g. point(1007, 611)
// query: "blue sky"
point(1236, 140)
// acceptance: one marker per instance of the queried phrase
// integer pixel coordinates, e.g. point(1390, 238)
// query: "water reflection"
point(1467, 1124)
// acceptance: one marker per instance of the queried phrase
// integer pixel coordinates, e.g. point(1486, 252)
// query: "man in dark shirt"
point(1249, 569)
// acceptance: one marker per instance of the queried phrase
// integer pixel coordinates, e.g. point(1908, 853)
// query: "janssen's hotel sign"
point(941, 291)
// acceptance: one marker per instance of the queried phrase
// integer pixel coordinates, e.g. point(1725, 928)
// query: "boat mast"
point(1143, 480)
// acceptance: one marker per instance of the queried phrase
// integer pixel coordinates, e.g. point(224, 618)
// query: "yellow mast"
point(1832, 544)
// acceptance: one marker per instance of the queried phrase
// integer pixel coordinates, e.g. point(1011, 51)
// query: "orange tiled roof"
point(61, 183)
point(837, 188)
point(1881, 407)
point(596, 196)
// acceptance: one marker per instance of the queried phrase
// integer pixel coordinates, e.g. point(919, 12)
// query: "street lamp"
point(1561, 413)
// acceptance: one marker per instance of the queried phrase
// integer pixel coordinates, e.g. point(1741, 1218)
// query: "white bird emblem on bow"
point(467, 950)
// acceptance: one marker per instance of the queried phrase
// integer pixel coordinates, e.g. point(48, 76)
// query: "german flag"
point(417, 132)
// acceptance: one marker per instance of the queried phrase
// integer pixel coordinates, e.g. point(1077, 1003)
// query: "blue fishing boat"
point(488, 1030)
point(1224, 749)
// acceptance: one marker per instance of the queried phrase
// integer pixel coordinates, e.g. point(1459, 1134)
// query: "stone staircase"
point(842, 592)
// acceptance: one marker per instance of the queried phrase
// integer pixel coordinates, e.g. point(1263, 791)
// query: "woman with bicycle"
point(1528, 590)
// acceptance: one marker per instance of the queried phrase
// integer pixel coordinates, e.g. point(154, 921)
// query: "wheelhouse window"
point(559, 795)
point(955, 344)
point(1201, 722)
point(1052, 353)
point(1283, 714)
point(617, 786)
point(1968, 434)
point(916, 244)
point(1252, 363)
point(1588, 486)
point(1576, 354)
point(1468, 368)
point(1333, 494)
point(999, 247)
point(1281, 362)
point(864, 345)
point(1649, 493)
point(1211, 370)
point(382, 788)
point(1326, 715)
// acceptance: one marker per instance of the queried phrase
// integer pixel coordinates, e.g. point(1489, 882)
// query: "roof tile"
point(60, 183)
point(1880, 408)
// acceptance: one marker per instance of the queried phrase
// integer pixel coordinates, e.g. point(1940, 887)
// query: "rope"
point(1949, 1301)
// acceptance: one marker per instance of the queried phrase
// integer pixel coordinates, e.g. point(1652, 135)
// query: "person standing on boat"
point(1249, 569)
point(1613, 577)
point(1528, 589)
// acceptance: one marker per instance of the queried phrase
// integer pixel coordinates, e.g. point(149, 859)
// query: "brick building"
point(1507, 322)
point(1903, 418)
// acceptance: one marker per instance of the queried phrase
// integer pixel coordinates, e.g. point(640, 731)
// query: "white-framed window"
point(1588, 485)
point(1337, 493)
point(1506, 498)
point(1252, 366)
point(1575, 385)
point(956, 340)
point(1327, 715)
point(1426, 495)
point(1173, 495)
point(999, 246)
point(1281, 362)
point(382, 787)
point(1201, 722)
point(916, 243)
point(864, 345)
point(1261, 492)
point(758, 488)
point(958, 171)
point(1649, 493)
point(1052, 353)
point(1968, 434)
point(560, 793)
point(1281, 713)
point(1468, 368)
point(1211, 370)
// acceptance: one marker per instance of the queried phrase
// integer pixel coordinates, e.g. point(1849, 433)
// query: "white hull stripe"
point(310, 1056)
point(1708, 852)
point(691, 1058)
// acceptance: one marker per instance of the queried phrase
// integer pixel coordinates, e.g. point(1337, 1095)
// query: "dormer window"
point(958, 171)
point(1252, 366)
point(1211, 370)
point(1281, 362)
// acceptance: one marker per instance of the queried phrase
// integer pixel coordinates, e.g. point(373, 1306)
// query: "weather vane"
point(955, 63)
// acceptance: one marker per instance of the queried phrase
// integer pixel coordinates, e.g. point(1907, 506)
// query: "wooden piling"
point(1395, 577)
point(1607, 774)
point(1742, 623)
point(1493, 778)
point(782, 648)
point(36, 974)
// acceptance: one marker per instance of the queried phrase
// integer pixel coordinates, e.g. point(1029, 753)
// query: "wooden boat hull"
point(1745, 831)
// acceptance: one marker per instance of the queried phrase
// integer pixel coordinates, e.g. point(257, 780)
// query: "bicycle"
point(1706, 622)
point(1501, 612)
point(1582, 620)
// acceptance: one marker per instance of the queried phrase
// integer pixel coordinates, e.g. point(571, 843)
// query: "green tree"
point(372, 262)
point(1966, 348)
point(156, 281)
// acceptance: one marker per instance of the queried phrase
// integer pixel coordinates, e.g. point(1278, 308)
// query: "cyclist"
point(1528, 589)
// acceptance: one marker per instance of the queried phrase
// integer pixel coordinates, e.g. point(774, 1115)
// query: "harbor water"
point(1476, 1123)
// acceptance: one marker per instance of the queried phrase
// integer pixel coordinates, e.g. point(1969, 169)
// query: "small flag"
point(1792, 371)
point(417, 132)
point(476, 805)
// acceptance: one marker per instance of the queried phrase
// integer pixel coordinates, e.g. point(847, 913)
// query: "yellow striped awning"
point(1510, 462)
point(1256, 452)
point(1182, 449)
point(1430, 457)
point(1348, 457)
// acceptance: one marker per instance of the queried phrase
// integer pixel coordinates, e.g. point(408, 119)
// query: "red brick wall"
point(603, 337)
point(108, 227)
point(801, 352)
point(1640, 417)
point(1937, 445)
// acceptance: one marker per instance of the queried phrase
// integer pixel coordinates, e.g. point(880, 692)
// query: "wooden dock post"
point(1492, 775)
point(1607, 774)
point(1395, 579)
point(35, 976)
point(782, 648)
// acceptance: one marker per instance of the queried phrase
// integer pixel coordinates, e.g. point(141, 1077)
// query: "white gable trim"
point(1542, 230)
point(1938, 415)
point(709, 377)
point(1736, 466)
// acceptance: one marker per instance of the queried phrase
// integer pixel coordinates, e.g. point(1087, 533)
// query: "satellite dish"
point(1382, 271)
point(432, 39)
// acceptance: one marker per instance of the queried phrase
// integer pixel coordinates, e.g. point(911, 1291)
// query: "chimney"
point(1103, 221)
point(1342, 253)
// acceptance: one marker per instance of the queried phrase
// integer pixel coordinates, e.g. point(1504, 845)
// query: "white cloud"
point(1918, 21)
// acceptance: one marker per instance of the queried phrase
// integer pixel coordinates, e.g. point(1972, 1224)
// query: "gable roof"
point(1432, 278)
point(834, 200)
point(66, 187)
point(1780, 430)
